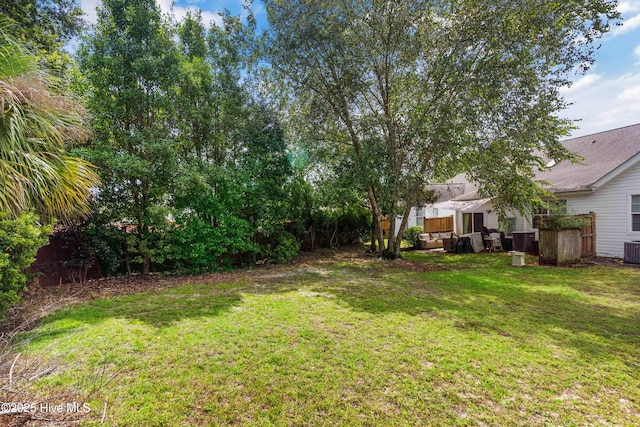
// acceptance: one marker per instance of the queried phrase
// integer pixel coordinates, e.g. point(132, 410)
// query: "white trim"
point(630, 214)
point(616, 172)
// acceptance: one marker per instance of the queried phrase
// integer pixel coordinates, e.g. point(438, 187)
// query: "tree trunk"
point(403, 227)
point(312, 236)
point(128, 264)
point(390, 252)
point(147, 265)
point(377, 217)
point(374, 234)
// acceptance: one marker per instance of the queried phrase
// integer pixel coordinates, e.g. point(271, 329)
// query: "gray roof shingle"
point(602, 153)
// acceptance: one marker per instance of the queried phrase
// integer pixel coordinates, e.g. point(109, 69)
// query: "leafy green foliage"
point(282, 247)
point(324, 214)
point(20, 239)
point(180, 135)
point(45, 26)
point(37, 122)
point(109, 243)
point(131, 63)
point(411, 235)
point(198, 245)
point(400, 94)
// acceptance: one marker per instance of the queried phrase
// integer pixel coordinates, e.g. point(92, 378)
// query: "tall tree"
point(36, 124)
point(409, 90)
point(131, 63)
point(232, 147)
point(45, 26)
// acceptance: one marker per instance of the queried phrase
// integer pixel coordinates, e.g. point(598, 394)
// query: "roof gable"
point(603, 155)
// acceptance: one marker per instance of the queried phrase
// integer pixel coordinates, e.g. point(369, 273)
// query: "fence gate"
point(588, 234)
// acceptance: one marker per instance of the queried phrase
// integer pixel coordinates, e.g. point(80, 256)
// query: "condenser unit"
point(632, 252)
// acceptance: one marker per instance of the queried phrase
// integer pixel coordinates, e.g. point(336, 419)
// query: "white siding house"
point(606, 182)
point(612, 205)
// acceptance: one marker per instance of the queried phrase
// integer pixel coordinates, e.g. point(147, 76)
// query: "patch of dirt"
point(415, 266)
point(609, 262)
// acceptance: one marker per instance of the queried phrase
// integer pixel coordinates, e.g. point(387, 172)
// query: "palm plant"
point(35, 125)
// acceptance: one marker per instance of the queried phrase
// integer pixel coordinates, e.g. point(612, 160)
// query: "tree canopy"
point(405, 92)
point(44, 26)
point(177, 134)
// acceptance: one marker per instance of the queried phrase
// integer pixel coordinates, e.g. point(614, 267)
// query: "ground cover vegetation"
point(350, 340)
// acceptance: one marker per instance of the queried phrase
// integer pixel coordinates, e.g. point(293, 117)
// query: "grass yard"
point(433, 340)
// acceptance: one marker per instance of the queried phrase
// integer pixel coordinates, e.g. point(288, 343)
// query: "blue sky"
point(606, 97)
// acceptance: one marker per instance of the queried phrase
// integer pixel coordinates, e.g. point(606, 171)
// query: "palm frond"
point(36, 123)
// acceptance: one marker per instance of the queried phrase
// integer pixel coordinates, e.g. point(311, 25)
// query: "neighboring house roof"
point(446, 191)
point(604, 156)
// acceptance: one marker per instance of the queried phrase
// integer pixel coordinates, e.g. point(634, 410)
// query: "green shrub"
point(411, 235)
point(20, 239)
point(198, 245)
point(284, 248)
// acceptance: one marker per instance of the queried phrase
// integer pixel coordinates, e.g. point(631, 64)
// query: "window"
point(635, 213)
point(472, 222)
point(419, 217)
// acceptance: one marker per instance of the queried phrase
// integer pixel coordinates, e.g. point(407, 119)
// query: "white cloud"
point(628, 25)
point(583, 83)
point(630, 95)
point(179, 12)
point(89, 8)
point(606, 103)
point(626, 6)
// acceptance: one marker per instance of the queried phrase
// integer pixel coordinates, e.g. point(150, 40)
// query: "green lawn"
point(357, 342)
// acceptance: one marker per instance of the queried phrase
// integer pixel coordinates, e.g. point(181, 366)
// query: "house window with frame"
point(419, 217)
point(472, 222)
point(511, 225)
point(635, 212)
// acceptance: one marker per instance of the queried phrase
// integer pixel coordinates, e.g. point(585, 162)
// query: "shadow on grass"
point(165, 308)
point(481, 294)
point(491, 297)
point(159, 309)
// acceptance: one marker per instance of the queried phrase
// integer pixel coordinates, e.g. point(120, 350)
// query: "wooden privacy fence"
point(588, 234)
point(430, 225)
point(385, 226)
point(438, 225)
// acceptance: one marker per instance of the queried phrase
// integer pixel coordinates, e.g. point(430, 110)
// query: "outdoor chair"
point(497, 242)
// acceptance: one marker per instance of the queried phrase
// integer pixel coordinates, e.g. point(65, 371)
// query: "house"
point(606, 182)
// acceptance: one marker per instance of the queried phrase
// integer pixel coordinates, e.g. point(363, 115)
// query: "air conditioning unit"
point(632, 252)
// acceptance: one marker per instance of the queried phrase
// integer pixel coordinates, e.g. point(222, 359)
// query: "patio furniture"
point(495, 242)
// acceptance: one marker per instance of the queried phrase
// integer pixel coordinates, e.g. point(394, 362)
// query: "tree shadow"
point(156, 309)
point(489, 300)
point(161, 309)
point(495, 302)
